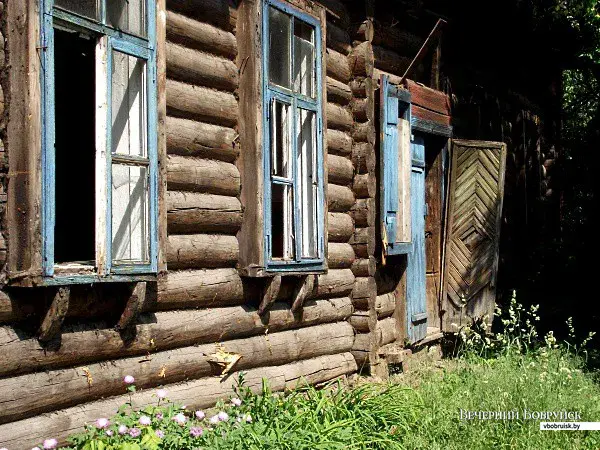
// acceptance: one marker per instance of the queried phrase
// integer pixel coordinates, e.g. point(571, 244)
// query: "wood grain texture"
point(340, 255)
point(340, 170)
point(192, 212)
point(337, 66)
point(202, 175)
point(427, 98)
point(195, 394)
point(220, 13)
point(198, 251)
point(338, 142)
point(340, 227)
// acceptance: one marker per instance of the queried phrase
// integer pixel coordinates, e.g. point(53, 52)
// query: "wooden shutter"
point(473, 231)
point(395, 163)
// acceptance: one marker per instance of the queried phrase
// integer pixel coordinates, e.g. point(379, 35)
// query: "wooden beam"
point(305, 286)
point(270, 293)
point(55, 316)
point(133, 306)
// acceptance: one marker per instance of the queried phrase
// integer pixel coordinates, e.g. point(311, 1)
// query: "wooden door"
point(416, 304)
point(473, 231)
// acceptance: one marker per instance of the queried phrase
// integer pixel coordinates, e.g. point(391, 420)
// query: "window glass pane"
point(282, 228)
point(86, 8)
point(128, 105)
point(127, 15)
point(279, 47)
point(280, 140)
point(304, 58)
point(129, 213)
point(308, 182)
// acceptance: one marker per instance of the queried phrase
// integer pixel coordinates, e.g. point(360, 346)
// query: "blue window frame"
point(123, 36)
point(293, 139)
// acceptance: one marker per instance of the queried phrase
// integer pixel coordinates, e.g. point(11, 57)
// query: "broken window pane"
point(128, 105)
point(304, 58)
point(86, 8)
point(129, 213)
point(282, 222)
point(127, 15)
point(280, 141)
point(308, 181)
point(279, 47)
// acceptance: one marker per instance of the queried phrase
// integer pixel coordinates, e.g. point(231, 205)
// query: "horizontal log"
point(200, 36)
point(32, 394)
point(198, 251)
point(385, 305)
point(364, 267)
point(198, 289)
point(360, 321)
point(337, 66)
point(338, 92)
point(397, 39)
point(338, 142)
point(427, 98)
point(339, 198)
point(221, 13)
point(335, 283)
point(338, 117)
point(191, 212)
point(339, 255)
point(203, 140)
point(201, 69)
point(364, 185)
point(201, 103)
point(390, 61)
point(363, 157)
point(425, 114)
point(364, 132)
point(362, 109)
point(340, 227)
point(364, 287)
point(363, 242)
point(165, 330)
point(339, 170)
point(361, 60)
point(361, 86)
point(363, 212)
point(386, 331)
point(202, 175)
point(338, 39)
point(195, 394)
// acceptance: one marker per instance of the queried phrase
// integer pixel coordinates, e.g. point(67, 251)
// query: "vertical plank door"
point(416, 305)
point(473, 232)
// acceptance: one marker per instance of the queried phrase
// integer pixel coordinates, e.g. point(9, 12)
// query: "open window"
point(395, 164)
point(98, 117)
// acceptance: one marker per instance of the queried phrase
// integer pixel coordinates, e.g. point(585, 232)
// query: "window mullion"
point(297, 182)
point(103, 160)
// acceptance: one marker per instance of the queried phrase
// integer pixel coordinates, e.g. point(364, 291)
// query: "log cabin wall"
point(3, 157)
point(51, 389)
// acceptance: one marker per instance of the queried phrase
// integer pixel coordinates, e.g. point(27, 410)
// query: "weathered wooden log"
point(360, 321)
point(339, 198)
point(269, 291)
point(201, 103)
point(339, 255)
point(337, 66)
point(340, 227)
point(364, 267)
point(436, 101)
point(364, 132)
point(339, 143)
point(338, 92)
point(198, 251)
point(338, 117)
point(198, 289)
point(390, 61)
point(133, 306)
point(363, 212)
point(397, 39)
point(361, 60)
point(361, 86)
point(366, 31)
point(364, 185)
point(202, 175)
point(386, 331)
point(362, 109)
point(203, 140)
point(363, 345)
point(201, 393)
point(200, 36)
point(340, 170)
point(363, 242)
point(364, 287)
point(201, 69)
point(222, 14)
point(83, 344)
point(385, 305)
point(32, 394)
point(55, 315)
point(335, 283)
point(363, 157)
point(430, 116)
point(338, 39)
point(304, 286)
point(191, 212)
